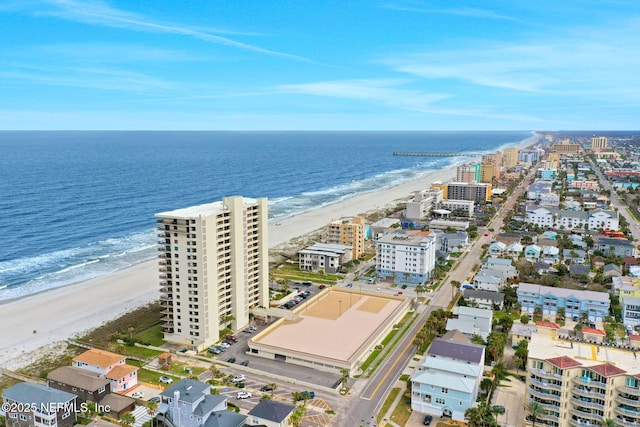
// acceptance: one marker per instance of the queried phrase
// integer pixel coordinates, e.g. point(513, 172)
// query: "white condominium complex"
point(582, 383)
point(213, 268)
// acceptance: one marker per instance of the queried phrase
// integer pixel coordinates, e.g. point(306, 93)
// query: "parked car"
point(267, 387)
point(322, 286)
point(137, 395)
point(245, 363)
point(156, 399)
point(214, 350)
point(238, 379)
point(404, 286)
point(232, 338)
point(243, 395)
point(427, 420)
point(350, 285)
point(307, 283)
point(166, 380)
point(231, 360)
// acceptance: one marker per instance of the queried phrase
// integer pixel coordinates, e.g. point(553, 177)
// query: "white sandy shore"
point(47, 318)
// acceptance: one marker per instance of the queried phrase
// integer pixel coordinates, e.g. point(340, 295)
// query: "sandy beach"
point(47, 318)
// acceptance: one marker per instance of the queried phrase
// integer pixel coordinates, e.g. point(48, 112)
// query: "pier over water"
point(435, 154)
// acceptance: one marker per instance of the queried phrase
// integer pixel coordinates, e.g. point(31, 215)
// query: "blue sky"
point(320, 65)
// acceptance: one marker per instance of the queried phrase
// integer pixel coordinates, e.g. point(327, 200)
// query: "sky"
point(319, 65)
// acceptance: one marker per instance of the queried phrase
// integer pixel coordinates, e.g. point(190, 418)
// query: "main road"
point(362, 407)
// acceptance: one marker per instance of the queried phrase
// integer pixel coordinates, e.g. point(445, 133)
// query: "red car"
point(321, 286)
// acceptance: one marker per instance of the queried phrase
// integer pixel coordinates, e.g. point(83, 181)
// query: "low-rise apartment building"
point(548, 217)
point(574, 302)
point(323, 256)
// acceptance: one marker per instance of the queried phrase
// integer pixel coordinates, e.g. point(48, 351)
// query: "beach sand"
point(48, 318)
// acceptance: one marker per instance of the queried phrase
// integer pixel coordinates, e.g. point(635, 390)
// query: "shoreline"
point(46, 318)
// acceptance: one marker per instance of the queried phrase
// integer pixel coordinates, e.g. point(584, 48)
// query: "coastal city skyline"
point(392, 65)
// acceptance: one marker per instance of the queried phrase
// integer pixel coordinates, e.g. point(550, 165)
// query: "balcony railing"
point(589, 382)
point(589, 415)
point(627, 401)
point(547, 374)
point(542, 384)
point(542, 395)
point(621, 421)
point(583, 392)
point(627, 412)
point(585, 404)
point(628, 390)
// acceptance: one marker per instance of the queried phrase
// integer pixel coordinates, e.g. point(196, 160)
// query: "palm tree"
point(344, 378)
point(127, 420)
point(534, 411)
point(480, 416)
point(273, 387)
point(152, 407)
point(297, 415)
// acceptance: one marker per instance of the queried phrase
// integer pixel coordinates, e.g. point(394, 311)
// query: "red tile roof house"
point(594, 335)
point(111, 366)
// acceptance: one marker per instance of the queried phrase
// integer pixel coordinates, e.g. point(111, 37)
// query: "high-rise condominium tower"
point(213, 268)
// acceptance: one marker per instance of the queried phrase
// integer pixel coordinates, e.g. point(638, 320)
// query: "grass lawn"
point(179, 369)
point(151, 377)
point(404, 377)
point(402, 412)
point(152, 335)
point(387, 403)
point(140, 352)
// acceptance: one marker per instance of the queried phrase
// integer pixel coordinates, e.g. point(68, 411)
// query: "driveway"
point(510, 394)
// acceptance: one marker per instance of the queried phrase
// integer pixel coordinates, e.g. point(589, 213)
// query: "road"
point(361, 409)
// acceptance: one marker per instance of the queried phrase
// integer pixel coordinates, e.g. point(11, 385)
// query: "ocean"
point(77, 205)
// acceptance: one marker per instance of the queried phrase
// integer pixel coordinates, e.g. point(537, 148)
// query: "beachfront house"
point(532, 253)
point(88, 386)
point(189, 403)
point(29, 404)
point(447, 380)
point(324, 257)
point(109, 365)
point(497, 248)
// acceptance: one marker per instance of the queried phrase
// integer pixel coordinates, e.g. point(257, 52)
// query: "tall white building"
point(213, 268)
point(408, 256)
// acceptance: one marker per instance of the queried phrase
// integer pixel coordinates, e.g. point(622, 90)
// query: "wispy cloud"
point(386, 92)
point(108, 53)
point(469, 12)
point(572, 62)
point(100, 13)
point(94, 78)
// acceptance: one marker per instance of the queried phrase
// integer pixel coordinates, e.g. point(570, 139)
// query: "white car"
point(137, 395)
point(243, 395)
point(166, 380)
point(238, 379)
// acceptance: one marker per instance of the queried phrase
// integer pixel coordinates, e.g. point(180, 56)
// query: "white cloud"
point(100, 13)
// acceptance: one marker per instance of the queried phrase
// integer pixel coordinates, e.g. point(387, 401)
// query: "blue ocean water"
point(76, 205)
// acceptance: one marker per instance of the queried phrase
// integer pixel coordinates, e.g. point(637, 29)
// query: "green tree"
point(344, 378)
point(524, 319)
point(487, 385)
point(495, 345)
point(522, 353)
point(480, 416)
point(152, 408)
point(534, 410)
point(506, 323)
point(127, 420)
point(297, 415)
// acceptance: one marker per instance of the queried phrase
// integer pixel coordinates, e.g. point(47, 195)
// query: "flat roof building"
point(332, 331)
point(348, 232)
